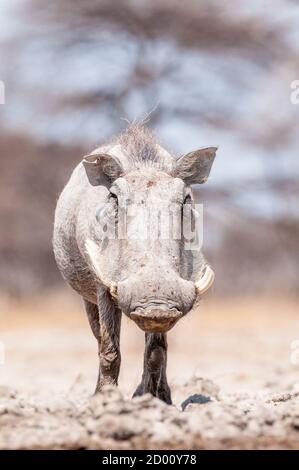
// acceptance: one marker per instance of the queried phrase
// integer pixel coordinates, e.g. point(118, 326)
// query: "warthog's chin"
point(155, 320)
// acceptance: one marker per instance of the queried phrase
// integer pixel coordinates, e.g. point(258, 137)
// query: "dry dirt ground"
point(233, 369)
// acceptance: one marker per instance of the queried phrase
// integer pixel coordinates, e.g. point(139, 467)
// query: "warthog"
point(120, 260)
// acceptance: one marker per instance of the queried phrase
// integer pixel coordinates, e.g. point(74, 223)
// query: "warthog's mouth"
point(155, 320)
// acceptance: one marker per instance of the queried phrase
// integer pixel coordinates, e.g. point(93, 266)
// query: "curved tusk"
point(91, 249)
point(205, 282)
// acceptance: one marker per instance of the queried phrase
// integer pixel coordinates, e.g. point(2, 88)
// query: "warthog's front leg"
point(154, 379)
point(105, 320)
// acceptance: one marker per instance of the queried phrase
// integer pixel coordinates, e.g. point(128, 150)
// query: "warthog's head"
point(142, 238)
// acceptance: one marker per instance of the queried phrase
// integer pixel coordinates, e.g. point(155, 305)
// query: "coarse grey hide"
point(126, 239)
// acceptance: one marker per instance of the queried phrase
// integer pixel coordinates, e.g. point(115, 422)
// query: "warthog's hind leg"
point(105, 321)
point(154, 379)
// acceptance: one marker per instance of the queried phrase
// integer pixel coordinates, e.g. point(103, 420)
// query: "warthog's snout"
point(137, 298)
point(156, 320)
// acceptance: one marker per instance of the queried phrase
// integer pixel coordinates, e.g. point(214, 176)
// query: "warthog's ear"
point(101, 168)
point(195, 167)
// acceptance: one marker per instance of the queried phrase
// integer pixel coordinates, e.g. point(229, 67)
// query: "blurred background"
point(209, 73)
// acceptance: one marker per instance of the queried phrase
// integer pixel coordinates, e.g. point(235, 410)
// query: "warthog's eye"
point(188, 220)
point(113, 199)
point(186, 207)
point(187, 199)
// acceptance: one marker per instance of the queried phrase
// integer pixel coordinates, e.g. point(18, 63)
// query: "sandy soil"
point(233, 371)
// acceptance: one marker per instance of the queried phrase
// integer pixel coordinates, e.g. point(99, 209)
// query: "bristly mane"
point(139, 143)
point(141, 148)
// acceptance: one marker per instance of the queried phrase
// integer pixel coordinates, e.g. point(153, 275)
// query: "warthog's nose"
point(155, 320)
